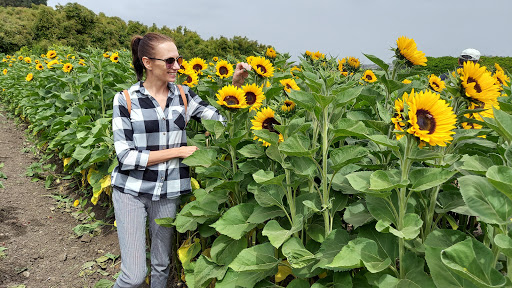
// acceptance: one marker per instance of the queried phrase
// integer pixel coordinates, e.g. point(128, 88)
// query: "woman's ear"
point(146, 62)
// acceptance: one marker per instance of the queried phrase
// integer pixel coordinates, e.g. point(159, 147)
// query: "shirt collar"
point(142, 89)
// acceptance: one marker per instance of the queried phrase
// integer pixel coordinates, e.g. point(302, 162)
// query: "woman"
point(150, 141)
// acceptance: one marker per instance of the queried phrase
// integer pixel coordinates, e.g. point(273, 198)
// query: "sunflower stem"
point(402, 201)
point(232, 152)
point(325, 190)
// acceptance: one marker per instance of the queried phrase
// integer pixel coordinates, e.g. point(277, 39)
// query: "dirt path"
point(42, 250)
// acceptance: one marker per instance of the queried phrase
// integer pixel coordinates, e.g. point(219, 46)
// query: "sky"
point(337, 28)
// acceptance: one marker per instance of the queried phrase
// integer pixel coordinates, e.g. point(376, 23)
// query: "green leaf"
point(234, 221)
point(165, 222)
point(201, 157)
point(262, 214)
point(267, 136)
point(298, 283)
point(214, 126)
point(360, 181)
point(224, 249)
point(81, 153)
point(347, 95)
point(381, 180)
point(411, 229)
point(462, 259)
point(505, 243)
point(331, 246)
point(277, 235)
point(384, 141)
point(358, 253)
point(344, 155)
point(476, 164)
point(357, 214)
point(323, 100)
point(492, 206)
point(504, 122)
point(347, 127)
point(268, 195)
point(303, 99)
point(501, 178)
point(426, 178)
point(381, 209)
point(206, 270)
point(247, 279)
point(252, 151)
point(102, 283)
point(267, 177)
point(257, 258)
point(377, 61)
point(297, 145)
point(304, 166)
point(297, 255)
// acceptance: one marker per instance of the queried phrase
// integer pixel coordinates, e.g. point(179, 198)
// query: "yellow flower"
point(369, 76)
point(315, 55)
point(354, 62)
point(27, 60)
point(289, 84)
point(478, 83)
point(192, 78)
point(398, 120)
point(20, 58)
point(271, 53)
point(288, 106)
point(406, 81)
point(198, 64)
point(29, 77)
point(431, 118)
point(10, 65)
point(114, 57)
point(76, 203)
point(436, 83)
point(224, 69)
point(253, 96)
point(487, 113)
point(406, 48)
point(67, 67)
point(262, 66)
point(51, 63)
point(37, 61)
point(501, 78)
point(51, 54)
point(39, 67)
point(295, 68)
point(81, 62)
point(106, 55)
point(215, 59)
point(231, 97)
point(264, 119)
point(5, 72)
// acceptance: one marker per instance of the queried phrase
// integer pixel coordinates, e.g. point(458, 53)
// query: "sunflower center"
point(435, 85)
point(426, 121)
point(198, 67)
point(262, 68)
point(288, 86)
point(288, 104)
point(250, 98)
point(231, 100)
point(223, 71)
point(369, 77)
point(269, 124)
point(477, 86)
point(189, 79)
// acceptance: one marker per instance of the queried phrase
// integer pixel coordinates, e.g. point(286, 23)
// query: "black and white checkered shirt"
point(148, 128)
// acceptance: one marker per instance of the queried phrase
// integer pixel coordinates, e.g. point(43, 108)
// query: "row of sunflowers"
point(325, 174)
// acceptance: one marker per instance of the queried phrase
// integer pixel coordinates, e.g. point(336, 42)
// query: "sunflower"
point(288, 106)
point(436, 83)
point(253, 96)
point(249, 59)
point(398, 119)
point(215, 59)
point(29, 77)
point(37, 61)
point(51, 63)
point(478, 83)
point(224, 69)
point(184, 66)
point(289, 85)
point(501, 78)
point(487, 113)
point(81, 62)
point(406, 48)
point(271, 53)
point(114, 57)
point(262, 66)
point(106, 55)
point(198, 64)
point(5, 71)
point(295, 68)
point(39, 67)
point(341, 62)
point(231, 97)
point(354, 62)
point(264, 119)
point(192, 78)
point(431, 118)
point(20, 58)
point(369, 76)
point(317, 55)
point(67, 67)
point(406, 81)
point(51, 54)
point(27, 60)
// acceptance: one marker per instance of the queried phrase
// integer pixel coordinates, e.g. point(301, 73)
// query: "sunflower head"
point(39, 66)
point(4, 72)
point(264, 119)
point(478, 83)
point(106, 55)
point(29, 77)
point(191, 78)
point(253, 96)
point(27, 60)
point(271, 53)
point(231, 97)
point(51, 54)
point(501, 78)
point(406, 49)
point(51, 63)
point(354, 62)
point(198, 64)
point(262, 66)
point(289, 85)
point(224, 69)
point(288, 106)
point(406, 81)
point(430, 118)
point(487, 113)
point(67, 67)
point(215, 59)
point(293, 69)
point(436, 83)
point(114, 57)
point(369, 76)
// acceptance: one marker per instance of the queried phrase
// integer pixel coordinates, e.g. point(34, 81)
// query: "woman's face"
point(159, 68)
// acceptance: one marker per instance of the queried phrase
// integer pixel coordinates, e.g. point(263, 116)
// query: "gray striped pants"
point(131, 214)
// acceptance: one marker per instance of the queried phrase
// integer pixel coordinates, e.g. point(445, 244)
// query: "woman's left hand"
point(241, 72)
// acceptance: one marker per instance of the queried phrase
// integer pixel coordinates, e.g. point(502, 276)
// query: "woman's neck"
point(156, 88)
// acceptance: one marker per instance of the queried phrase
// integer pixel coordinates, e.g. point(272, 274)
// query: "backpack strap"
point(185, 102)
point(128, 101)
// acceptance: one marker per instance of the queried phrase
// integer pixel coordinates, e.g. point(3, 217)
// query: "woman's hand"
point(186, 151)
point(241, 72)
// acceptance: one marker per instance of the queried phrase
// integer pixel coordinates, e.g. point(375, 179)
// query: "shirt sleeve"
point(128, 156)
point(199, 108)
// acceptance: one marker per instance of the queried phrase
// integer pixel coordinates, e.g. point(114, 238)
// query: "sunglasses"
point(169, 62)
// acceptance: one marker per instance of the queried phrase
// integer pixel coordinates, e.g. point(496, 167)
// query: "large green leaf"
point(357, 214)
point(266, 135)
point(347, 127)
point(473, 261)
point(267, 177)
point(361, 182)
point(344, 155)
point(358, 253)
point(347, 95)
point(277, 235)
point(484, 200)
point(304, 166)
point(331, 246)
point(387, 180)
point(262, 214)
point(411, 229)
point(505, 243)
point(268, 195)
point(426, 178)
point(214, 126)
point(377, 61)
point(247, 279)
point(224, 249)
point(205, 271)
point(297, 145)
point(386, 242)
point(501, 178)
point(201, 157)
point(504, 122)
point(256, 258)
point(234, 221)
point(252, 151)
point(297, 255)
point(381, 209)
point(302, 98)
point(436, 242)
point(476, 164)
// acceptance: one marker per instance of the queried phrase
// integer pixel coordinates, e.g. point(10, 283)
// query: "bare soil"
point(42, 250)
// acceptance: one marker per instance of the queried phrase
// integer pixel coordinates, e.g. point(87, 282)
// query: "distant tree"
point(22, 3)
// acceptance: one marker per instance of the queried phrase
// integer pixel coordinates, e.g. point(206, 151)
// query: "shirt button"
point(164, 133)
point(163, 118)
point(162, 178)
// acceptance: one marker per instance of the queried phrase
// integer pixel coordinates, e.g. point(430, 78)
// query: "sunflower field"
point(324, 175)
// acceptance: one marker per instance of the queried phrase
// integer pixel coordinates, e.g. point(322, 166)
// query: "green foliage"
point(445, 64)
point(22, 3)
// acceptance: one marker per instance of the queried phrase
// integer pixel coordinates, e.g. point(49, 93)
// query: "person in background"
point(469, 54)
point(150, 143)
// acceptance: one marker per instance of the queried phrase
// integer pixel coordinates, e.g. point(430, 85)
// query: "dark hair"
point(145, 46)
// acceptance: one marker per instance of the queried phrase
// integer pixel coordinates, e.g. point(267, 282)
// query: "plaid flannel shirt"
point(148, 128)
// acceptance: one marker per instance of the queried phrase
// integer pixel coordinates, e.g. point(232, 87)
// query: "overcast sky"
point(334, 27)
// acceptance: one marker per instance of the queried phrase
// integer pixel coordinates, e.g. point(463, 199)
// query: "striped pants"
point(131, 214)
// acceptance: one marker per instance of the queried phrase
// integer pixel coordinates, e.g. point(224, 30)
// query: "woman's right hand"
point(186, 151)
